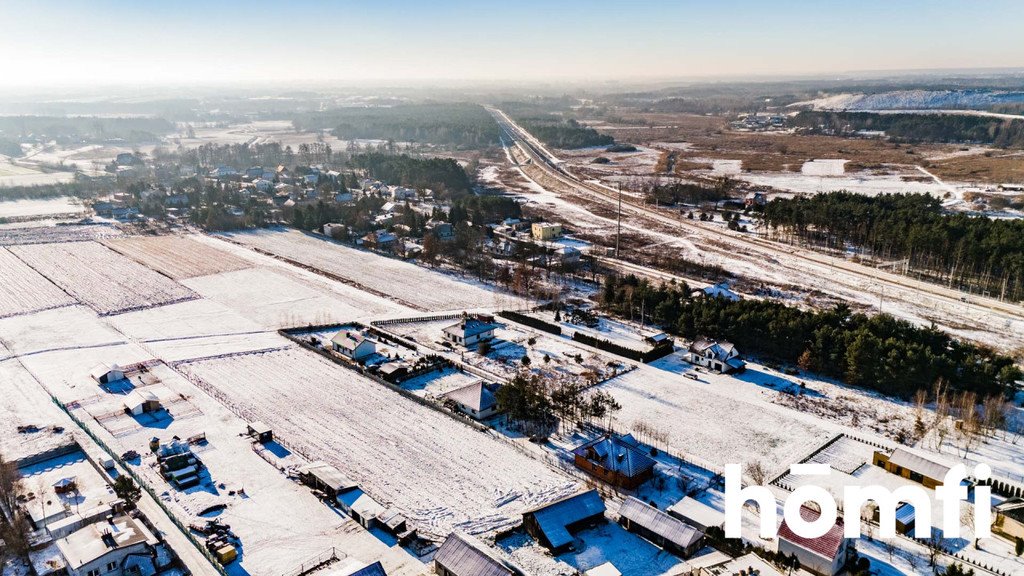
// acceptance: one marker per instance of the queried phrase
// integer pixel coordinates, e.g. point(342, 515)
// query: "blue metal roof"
point(905, 514)
point(553, 518)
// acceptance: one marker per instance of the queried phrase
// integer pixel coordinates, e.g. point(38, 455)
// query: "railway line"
point(829, 269)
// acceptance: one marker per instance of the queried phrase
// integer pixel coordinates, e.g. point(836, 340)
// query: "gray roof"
point(910, 461)
point(554, 518)
point(660, 523)
point(477, 396)
point(620, 454)
point(463, 555)
point(469, 327)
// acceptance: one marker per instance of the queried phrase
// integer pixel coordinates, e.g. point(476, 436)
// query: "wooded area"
point(454, 124)
point(918, 127)
point(951, 248)
point(442, 175)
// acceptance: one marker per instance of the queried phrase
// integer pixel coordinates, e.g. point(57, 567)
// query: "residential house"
point(107, 373)
point(617, 460)
point(342, 197)
point(470, 331)
point(177, 200)
point(567, 255)
point(222, 172)
point(353, 345)
point(107, 548)
point(335, 230)
point(667, 532)
point(477, 400)
point(1009, 518)
point(253, 173)
point(553, 524)
point(264, 186)
point(380, 240)
point(720, 290)
point(545, 230)
point(755, 199)
point(825, 555)
point(721, 357)
point(127, 159)
point(464, 555)
point(400, 193)
point(905, 463)
point(443, 231)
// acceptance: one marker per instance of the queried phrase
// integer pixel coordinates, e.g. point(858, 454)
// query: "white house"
point(721, 357)
point(353, 345)
point(105, 374)
point(477, 400)
point(470, 331)
point(106, 548)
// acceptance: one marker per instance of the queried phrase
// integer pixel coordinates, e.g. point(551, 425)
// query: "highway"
point(828, 268)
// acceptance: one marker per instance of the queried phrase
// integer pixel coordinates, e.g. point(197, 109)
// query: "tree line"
point(453, 124)
point(565, 134)
point(1003, 133)
point(878, 352)
point(85, 128)
point(442, 175)
point(957, 249)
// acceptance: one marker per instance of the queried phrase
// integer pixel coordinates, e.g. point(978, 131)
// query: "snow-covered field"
point(24, 290)
point(684, 409)
point(442, 474)
point(43, 232)
point(24, 403)
point(406, 283)
point(62, 206)
point(177, 256)
point(100, 277)
point(18, 175)
point(823, 167)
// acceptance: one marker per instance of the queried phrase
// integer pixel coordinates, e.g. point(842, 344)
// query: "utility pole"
point(618, 226)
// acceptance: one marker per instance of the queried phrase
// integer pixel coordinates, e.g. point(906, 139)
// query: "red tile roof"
point(826, 545)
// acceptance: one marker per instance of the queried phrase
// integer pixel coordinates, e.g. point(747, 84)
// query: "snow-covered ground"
point(406, 283)
point(23, 290)
point(440, 473)
point(38, 208)
point(177, 256)
point(101, 278)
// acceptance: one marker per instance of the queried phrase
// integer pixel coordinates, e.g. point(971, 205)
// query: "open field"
point(440, 473)
point(30, 209)
point(43, 232)
point(24, 290)
point(406, 283)
point(18, 175)
point(179, 257)
point(24, 404)
point(100, 277)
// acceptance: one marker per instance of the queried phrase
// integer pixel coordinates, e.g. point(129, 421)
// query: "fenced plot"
point(440, 473)
point(101, 278)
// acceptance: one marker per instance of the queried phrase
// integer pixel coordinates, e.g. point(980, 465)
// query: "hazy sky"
point(48, 42)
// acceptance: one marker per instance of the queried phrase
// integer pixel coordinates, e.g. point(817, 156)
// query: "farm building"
point(720, 564)
point(618, 460)
point(105, 374)
point(360, 506)
point(902, 462)
point(477, 400)
point(721, 357)
point(825, 555)
point(322, 476)
point(1009, 518)
point(463, 555)
point(470, 331)
point(375, 569)
point(106, 547)
point(353, 345)
point(696, 514)
point(141, 401)
point(260, 431)
point(668, 532)
point(553, 524)
point(545, 230)
point(396, 524)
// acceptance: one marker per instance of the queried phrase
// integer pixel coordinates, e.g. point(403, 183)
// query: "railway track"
point(834, 268)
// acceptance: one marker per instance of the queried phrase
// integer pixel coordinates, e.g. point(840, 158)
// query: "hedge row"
point(651, 355)
point(531, 322)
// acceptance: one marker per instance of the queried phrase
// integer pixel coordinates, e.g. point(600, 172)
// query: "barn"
point(553, 524)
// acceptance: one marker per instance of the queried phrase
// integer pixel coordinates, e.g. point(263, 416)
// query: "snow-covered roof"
point(923, 466)
point(101, 370)
point(97, 540)
point(720, 290)
point(328, 475)
point(469, 327)
point(671, 529)
point(619, 454)
point(463, 555)
point(553, 518)
point(721, 350)
point(606, 569)
point(697, 512)
point(477, 396)
point(348, 339)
